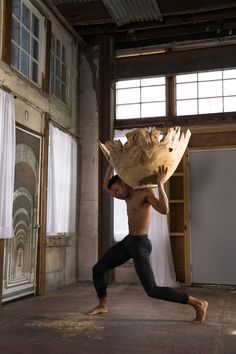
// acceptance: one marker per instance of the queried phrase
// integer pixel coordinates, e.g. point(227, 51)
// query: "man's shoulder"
point(144, 193)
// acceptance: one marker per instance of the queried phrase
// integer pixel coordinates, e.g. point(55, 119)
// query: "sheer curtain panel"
point(7, 163)
point(62, 180)
point(161, 256)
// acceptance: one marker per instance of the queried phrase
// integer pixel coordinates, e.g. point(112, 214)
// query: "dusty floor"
point(57, 323)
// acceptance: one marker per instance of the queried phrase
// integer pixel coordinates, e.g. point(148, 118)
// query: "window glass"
point(26, 16)
point(229, 104)
point(230, 87)
point(128, 111)
point(153, 93)
point(210, 75)
point(16, 5)
point(185, 107)
point(24, 63)
point(210, 89)
point(188, 90)
point(131, 95)
point(127, 83)
point(210, 105)
point(229, 74)
point(153, 81)
point(35, 26)
point(186, 78)
point(156, 109)
point(15, 56)
point(25, 37)
point(15, 31)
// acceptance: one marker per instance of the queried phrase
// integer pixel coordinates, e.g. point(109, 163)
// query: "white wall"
point(212, 213)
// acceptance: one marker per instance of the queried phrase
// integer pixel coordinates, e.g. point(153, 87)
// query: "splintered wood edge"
point(105, 151)
point(143, 186)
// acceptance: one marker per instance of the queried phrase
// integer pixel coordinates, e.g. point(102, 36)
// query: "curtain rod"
point(21, 98)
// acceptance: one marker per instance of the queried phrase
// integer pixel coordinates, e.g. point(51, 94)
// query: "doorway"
point(213, 216)
point(20, 252)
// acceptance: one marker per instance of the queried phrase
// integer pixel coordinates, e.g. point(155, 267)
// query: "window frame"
point(198, 81)
point(62, 44)
point(41, 39)
point(140, 102)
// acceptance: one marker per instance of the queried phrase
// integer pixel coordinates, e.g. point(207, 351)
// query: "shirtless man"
point(137, 246)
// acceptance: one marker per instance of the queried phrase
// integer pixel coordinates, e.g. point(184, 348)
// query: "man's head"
point(118, 187)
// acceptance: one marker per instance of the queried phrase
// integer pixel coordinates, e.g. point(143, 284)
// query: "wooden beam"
point(46, 79)
point(175, 62)
point(106, 107)
point(173, 21)
point(1, 267)
point(170, 96)
point(41, 251)
point(213, 140)
point(85, 12)
point(7, 31)
point(170, 121)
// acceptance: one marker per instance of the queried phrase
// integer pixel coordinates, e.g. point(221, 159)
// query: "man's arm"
point(107, 177)
point(161, 205)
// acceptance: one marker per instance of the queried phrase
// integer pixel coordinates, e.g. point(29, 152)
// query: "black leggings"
point(138, 248)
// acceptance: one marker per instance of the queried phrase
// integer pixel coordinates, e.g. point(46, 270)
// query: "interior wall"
point(212, 213)
point(87, 245)
point(60, 256)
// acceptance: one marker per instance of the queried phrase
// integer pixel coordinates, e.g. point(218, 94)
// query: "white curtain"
point(161, 256)
point(7, 163)
point(62, 181)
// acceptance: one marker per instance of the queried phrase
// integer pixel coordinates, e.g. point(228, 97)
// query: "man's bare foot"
point(100, 309)
point(201, 309)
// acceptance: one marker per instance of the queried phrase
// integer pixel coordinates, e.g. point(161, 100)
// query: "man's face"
point(120, 190)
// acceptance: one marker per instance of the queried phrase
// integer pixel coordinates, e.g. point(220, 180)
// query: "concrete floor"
point(57, 323)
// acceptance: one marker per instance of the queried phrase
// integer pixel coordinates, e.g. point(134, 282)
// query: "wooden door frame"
point(41, 247)
point(1, 267)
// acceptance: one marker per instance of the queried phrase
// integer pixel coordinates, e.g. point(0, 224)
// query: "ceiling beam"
point(172, 63)
point(171, 21)
point(86, 13)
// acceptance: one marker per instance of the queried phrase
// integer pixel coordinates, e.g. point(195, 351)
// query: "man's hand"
point(162, 172)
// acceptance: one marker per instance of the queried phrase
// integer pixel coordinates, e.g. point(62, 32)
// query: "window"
point(206, 92)
point(27, 25)
point(140, 98)
point(58, 69)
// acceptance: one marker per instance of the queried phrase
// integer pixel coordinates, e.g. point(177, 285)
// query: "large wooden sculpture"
point(137, 161)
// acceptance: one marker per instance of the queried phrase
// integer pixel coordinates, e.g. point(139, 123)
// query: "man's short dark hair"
point(113, 180)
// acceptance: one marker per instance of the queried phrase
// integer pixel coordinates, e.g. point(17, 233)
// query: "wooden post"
point(46, 78)
point(1, 267)
point(41, 258)
point(106, 114)
point(186, 181)
point(7, 31)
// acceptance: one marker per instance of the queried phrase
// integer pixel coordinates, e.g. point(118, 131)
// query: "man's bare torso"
point(139, 212)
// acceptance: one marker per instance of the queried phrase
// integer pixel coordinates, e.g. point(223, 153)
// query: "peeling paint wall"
point(88, 130)
point(60, 258)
